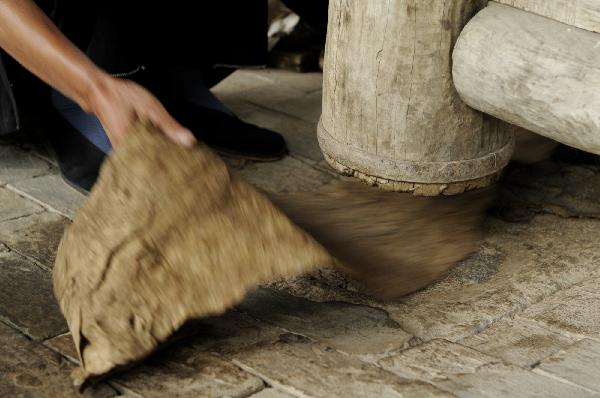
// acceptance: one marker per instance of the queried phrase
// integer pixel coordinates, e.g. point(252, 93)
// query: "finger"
point(172, 129)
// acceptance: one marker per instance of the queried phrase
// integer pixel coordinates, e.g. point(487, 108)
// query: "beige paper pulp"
point(168, 234)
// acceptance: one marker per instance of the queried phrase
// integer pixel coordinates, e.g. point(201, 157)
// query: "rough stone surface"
point(571, 312)
point(300, 99)
point(437, 360)
point(52, 192)
point(533, 260)
point(479, 267)
point(287, 175)
point(15, 206)
point(270, 393)
point(17, 164)
point(296, 364)
point(324, 373)
point(555, 187)
point(469, 373)
point(303, 83)
point(538, 258)
point(63, 345)
point(36, 236)
point(204, 375)
point(172, 374)
point(27, 300)
point(350, 328)
point(524, 308)
point(30, 370)
point(577, 364)
point(518, 341)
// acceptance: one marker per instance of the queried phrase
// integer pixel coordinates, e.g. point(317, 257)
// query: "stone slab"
point(353, 329)
point(293, 363)
point(36, 236)
point(274, 90)
point(204, 375)
point(578, 364)
point(198, 375)
point(567, 190)
point(469, 373)
point(305, 83)
point(17, 164)
point(525, 263)
point(14, 206)
point(517, 265)
point(286, 175)
point(518, 341)
point(27, 299)
point(63, 345)
point(51, 192)
point(30, 370)
point(572, 312)
point(270, 393)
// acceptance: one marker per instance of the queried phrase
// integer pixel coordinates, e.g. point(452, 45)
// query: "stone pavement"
point(521, 317)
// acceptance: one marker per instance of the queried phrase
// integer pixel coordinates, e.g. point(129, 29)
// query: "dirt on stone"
point(170, 234)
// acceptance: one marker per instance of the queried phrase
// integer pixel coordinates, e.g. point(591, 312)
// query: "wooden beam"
point(584, 14)
point(534, 72)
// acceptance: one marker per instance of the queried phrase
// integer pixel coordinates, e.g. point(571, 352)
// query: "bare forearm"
point(28, 35)
point(31, 38)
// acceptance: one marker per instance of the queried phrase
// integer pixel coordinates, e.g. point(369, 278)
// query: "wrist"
point(95, 88)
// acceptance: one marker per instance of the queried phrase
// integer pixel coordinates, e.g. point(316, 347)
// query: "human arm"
point(29, 36)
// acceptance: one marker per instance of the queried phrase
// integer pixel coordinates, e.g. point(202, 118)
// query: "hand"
point(118, 103)
point(32, 39)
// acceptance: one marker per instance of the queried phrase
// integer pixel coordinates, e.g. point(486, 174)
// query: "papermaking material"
point(391, 243)
point(168, 234)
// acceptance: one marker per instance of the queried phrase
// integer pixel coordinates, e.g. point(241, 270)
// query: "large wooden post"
point(391, 115)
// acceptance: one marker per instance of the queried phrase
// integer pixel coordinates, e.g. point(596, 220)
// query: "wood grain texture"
point(533, 72)
point(584, 14)
point(390, 109)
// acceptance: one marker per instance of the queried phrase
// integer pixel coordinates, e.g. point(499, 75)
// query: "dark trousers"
point(119, 36)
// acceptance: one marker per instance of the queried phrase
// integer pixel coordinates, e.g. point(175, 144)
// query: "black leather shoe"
point(227, 134)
